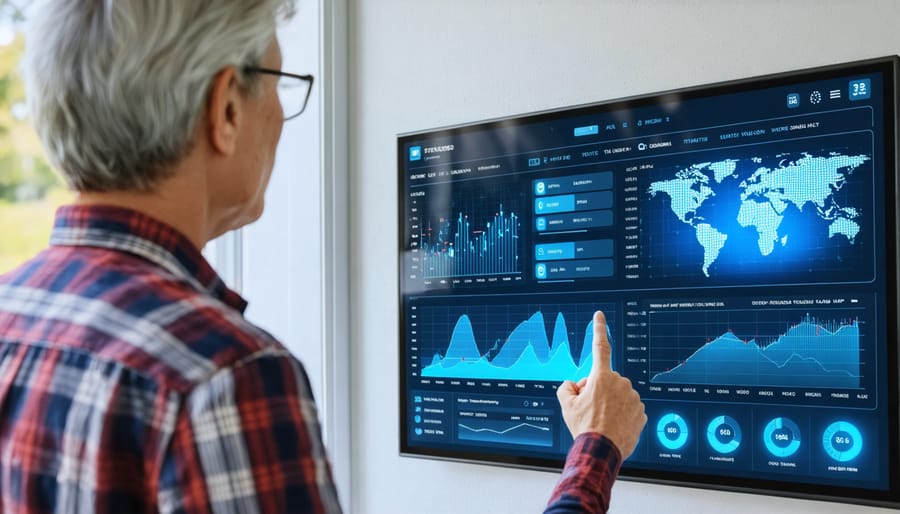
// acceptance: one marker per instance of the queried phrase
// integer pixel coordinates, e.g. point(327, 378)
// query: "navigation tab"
point(430, 415)
point(589, 130)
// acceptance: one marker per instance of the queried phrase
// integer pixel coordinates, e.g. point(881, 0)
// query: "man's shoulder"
point(129, 311)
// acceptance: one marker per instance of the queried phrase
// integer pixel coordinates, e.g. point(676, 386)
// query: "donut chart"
point(724, 434)
point(782, 437)
point(672, 431)
point(842, 441)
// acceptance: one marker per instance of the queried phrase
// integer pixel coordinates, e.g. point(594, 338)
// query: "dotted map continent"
point(807, 182)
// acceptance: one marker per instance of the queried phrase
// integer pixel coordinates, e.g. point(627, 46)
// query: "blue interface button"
point(600, 248)
point(540, 224)
point(793, 100)
point(534, 161)
point(724, 434)
point(554, 251)
point(672, 431)
point(589, 130)
point(842, 441)
point(586, 183)
point(553, 204)
point(578, 269)
point(592, 201)
point(540, 271)
point(860, 89)
point(576, 221)
point(782, 437)
point(415, 153)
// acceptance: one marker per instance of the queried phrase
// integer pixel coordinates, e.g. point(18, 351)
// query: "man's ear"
point(224, 111)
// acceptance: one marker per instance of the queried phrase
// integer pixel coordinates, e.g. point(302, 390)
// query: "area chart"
point(810, 353)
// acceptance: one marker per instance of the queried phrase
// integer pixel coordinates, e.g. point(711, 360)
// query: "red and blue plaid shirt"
point(130, 382)
point(586, 482)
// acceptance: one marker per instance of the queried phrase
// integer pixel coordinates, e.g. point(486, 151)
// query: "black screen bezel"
point(890, 69)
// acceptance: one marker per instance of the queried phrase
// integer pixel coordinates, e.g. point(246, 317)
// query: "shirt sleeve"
point(591, 468)
point(248, 441)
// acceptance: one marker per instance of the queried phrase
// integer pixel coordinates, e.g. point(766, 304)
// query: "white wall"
point(419, 64)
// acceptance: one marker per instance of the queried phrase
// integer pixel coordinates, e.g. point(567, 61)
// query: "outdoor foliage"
point(24, 171)
point(30, 190)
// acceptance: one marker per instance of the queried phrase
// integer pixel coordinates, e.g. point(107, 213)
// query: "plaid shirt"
point(131, 382)
point(587, 479)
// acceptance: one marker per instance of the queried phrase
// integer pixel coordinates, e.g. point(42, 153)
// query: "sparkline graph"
point(504, 432)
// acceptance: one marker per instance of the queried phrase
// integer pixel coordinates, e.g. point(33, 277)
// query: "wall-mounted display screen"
point(741, 239)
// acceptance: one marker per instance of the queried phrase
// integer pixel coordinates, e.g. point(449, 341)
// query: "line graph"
point(510, 429)
point(744, 348)
point(506, 432)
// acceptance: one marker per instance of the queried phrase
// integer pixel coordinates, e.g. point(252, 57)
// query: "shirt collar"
point(130, 231)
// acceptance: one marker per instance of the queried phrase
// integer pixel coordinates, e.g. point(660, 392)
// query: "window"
point(30, 190)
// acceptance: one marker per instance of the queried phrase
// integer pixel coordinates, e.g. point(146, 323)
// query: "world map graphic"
point(764, 194)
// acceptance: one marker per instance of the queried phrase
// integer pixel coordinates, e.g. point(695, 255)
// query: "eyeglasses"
point(293, 90)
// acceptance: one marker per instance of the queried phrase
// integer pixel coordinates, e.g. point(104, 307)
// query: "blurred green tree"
point(30, 190)
point(25, 173)
point(12, 12)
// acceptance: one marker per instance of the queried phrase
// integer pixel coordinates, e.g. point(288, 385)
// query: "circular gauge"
point(672, 431)
point(782, 437)
point(842, 441)
point(724, 434)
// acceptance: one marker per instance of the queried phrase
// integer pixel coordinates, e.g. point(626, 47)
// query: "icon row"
point(842, 441)
point(860, 89)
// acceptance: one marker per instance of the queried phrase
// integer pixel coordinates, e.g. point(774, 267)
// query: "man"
point(129, 379)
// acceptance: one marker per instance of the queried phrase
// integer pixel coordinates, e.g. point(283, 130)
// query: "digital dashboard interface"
point(741, 239)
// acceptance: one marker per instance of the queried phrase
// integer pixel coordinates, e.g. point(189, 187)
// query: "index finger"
point(601, 347)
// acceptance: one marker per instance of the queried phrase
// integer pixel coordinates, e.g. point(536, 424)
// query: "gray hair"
point(116, 87)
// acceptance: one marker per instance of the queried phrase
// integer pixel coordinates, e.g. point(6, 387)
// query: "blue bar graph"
point(460, 248)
